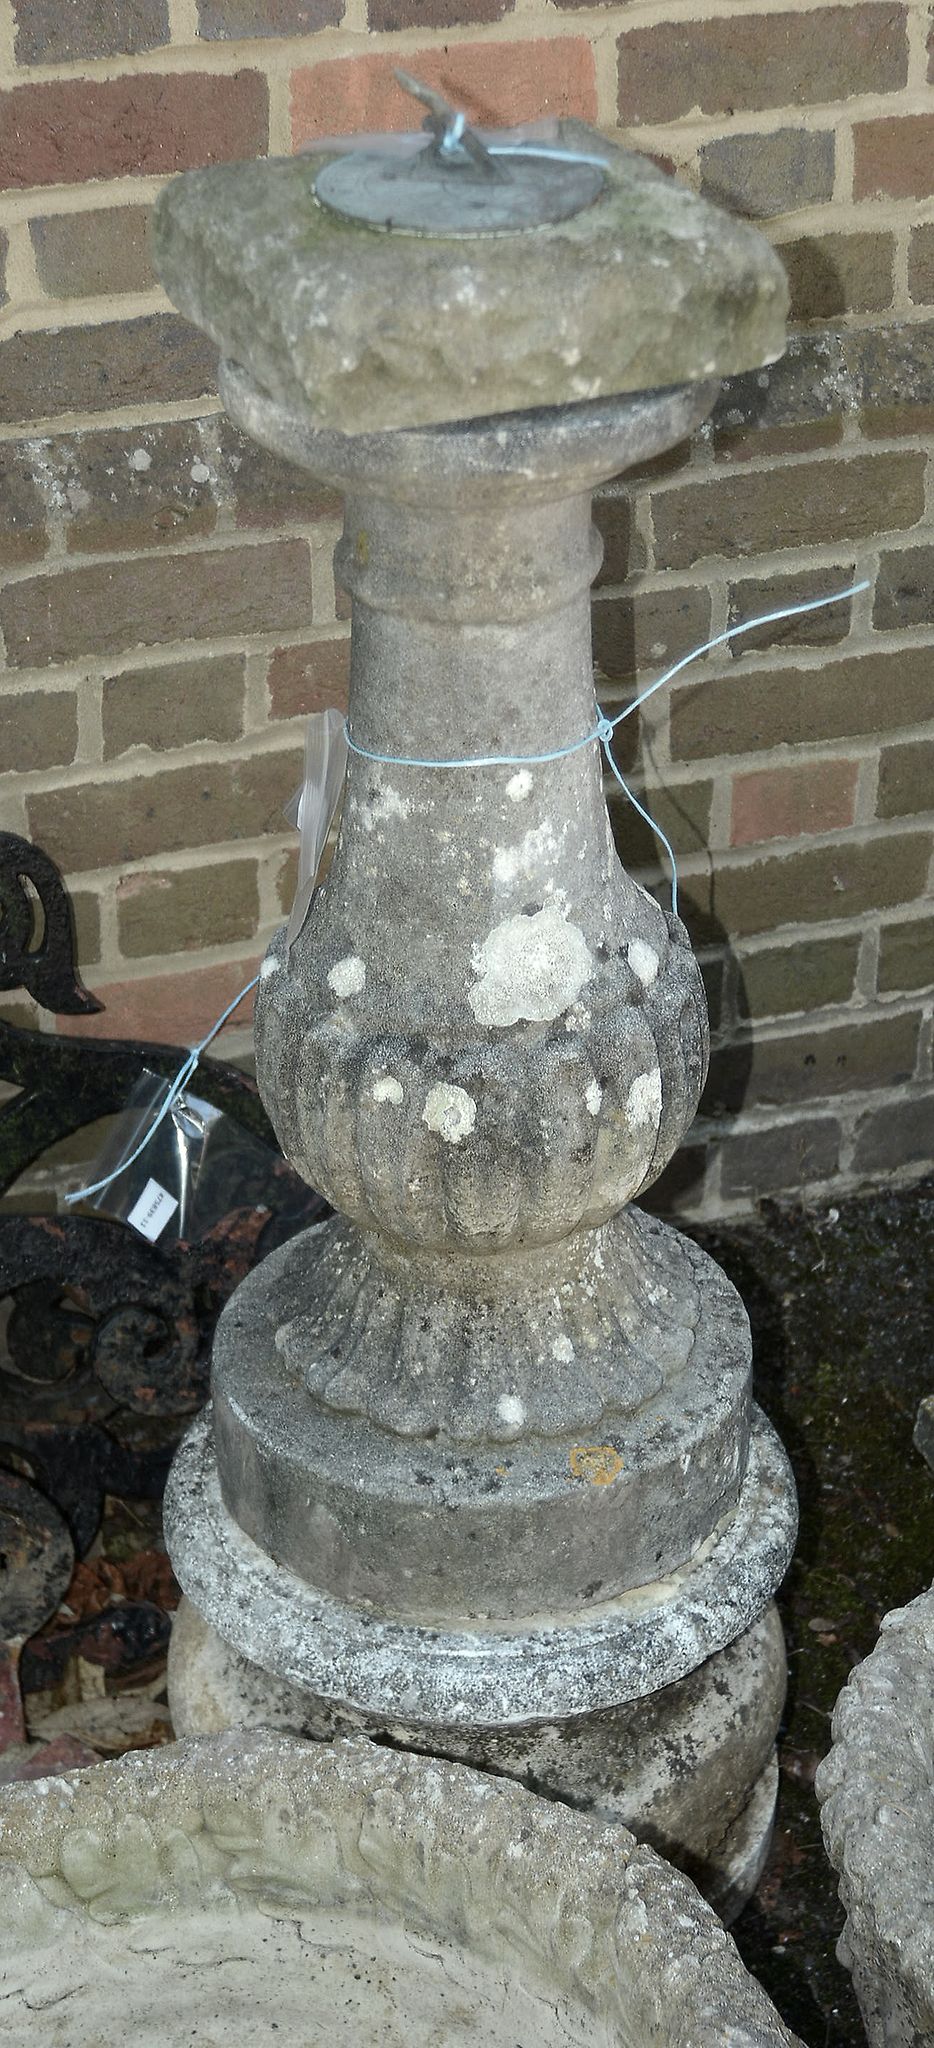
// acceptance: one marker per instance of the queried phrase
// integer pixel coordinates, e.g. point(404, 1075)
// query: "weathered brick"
point(921, 265)
point(81, 254)
point(906, 779)
point(894, 156)
point(682, 812)
point(61, 31)
point(225, 20)
point(807, 887)
point(268, 491)
point(787, 802)
point(40, 730)
point(748, 62)
point(4, 252)
point(756, 595)
point(130, 487)
point(904, 593)
point(890, 371)
point(906, 955)
point(813, 974)
point(394, 14)
point(157, 359)
point(105, 824)
point(174, 705)
point(159, 598)
point(631, 634)
point(787, 1156)
point(67, 130)
point(808, 505)
point(493, 82)
point(169, 1009)
point(612, 517)
point(171, 910)
point(830, 275)
point(738, 714)
point(806, 1065)
point(22, 507)
point(803, 388)
point(763, 175)
point(309, 678)
point(681, 1185)
point(86, 906)
point(901, 1134)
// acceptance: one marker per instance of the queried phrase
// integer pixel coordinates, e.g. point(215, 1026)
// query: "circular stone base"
point(549, 1668)
point(689, 1769)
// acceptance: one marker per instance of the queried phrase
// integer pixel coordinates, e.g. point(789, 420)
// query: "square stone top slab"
point(361, 328)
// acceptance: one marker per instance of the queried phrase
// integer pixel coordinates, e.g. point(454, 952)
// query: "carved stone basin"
point(876, 1789)
point(257, 1889)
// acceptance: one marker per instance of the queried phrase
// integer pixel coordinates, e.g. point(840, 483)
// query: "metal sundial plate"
point(422, 195)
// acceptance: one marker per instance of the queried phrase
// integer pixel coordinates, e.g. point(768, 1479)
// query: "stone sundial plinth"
point(482, 1474)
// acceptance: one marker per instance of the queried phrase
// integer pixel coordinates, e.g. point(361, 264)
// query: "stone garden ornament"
point(876, 1789)
point(482, 1472)
point(250, 1888)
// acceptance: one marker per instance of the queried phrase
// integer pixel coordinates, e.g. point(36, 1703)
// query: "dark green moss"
point(841, 1302)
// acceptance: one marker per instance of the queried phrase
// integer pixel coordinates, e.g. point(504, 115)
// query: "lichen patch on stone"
point(387, 1089)
point(450, 1111)
point(643, 960)
point(348, 977)
point(644, 1101)
point(529, 968)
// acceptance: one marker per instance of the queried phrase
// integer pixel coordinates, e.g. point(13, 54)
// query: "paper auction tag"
point(154, 1209)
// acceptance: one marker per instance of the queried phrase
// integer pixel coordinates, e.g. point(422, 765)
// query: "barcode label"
point(153, 1211)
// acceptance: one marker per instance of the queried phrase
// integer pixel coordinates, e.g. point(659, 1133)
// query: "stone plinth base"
point(690, 1769)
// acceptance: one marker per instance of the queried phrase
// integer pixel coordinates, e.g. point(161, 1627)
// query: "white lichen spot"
point(271, 965)
point(140, 459)
point(539, 846)
point(387, 1089)
point(563, 1350)
point(348, 977)
point(530, 969)
point(510, 1410)
point(519, 786)
point(200, 473)
point(450, 1111)
point(594, 1097)
point(644, 1101)
point(386, 804)
point(643, 960)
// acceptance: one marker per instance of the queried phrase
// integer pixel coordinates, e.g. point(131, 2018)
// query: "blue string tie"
point(602, 734)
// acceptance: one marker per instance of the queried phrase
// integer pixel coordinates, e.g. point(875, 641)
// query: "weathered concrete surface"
point(674, 1768)
point(552, 1666)
point(876, 1789)
point(361, 330)
point(342, 1894)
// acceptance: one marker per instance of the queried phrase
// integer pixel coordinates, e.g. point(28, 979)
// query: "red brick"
point(61, 31)
point(757, 596)
point(176, 910)
point(163, 598)
point(834, 274)
point(900, 1135)
point(158, 359)
point(645, 630)
point(309, 678)
point(63, 132)
point(755, 61)
point(877, 1053)
point(225, 20)
point(133, 817)
point(4, 252)
point(788, 1156)
point(861, 694)
point(22, 506)
point(783, 803)
point(396, 14)
point(763, 175)
point(894, 157)
point(81, 254)
point(906, 955)
point(807, 505)
point(809, 974)
point(492, 82)
point(131, 487)
point(921, 265)
point(175, 704)
point(171, 1009)
point(810, 886)
point(40, 730)
point(268, 491)
point(906, 779)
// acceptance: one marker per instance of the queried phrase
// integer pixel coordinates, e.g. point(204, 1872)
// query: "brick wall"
point(167, 602)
